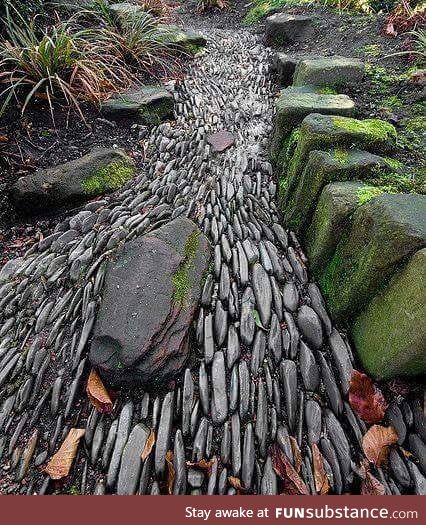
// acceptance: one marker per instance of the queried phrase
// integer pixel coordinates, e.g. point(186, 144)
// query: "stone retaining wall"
point(365, 239)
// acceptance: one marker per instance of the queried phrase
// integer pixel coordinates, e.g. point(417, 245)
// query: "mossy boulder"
point(321, 168)
point(282, 28)
point(146, 104)
point(329, 71)
point(390, 334)
point(186, 40)
point(322, 132)
point(384, 233)
point(100, 171)
point(152, 289)
point(293, 106)
point(332, 217)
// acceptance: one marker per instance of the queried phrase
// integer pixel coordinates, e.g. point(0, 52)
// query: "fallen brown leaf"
point(98, 394)
point(59, 465)
point(297, 455)
point(371, 486)
point(366, 400)
point(171, 474)
point(236, 483)
point(322, 484)
point(376, 443)
point(293, 483)
point(148, 446)
point(202, 464)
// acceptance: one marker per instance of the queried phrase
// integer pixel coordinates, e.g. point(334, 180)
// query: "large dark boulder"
point(100, 171)
point(151, 294)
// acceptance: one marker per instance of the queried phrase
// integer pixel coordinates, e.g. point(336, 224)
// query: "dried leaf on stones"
point(148, 446)
point(60, 464)
point(376, 443)
point(297, 455)
point(171, 474)
point(98, 394)
point(293, 483)
point(236, 483)
point(322, 484)
point(365, 398)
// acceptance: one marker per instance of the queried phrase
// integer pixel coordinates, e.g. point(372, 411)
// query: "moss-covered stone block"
point(293, 105)
point(322, 132)
point(332, 217)
point(147, 104)
point(100, 171)
point(329, 71)
point(384, 232)
point(283, 28)
point(321, 168)
point(390, 334)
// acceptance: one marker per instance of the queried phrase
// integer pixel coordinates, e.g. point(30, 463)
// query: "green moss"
point(392, 101)
point(74, 491)
point(367, 193)
point(180, 279)
point(108, 178)
point(393, 182)
point(327, 91)
point(416, 124)
point(341, 155)
point(372, 50)
point(378, 129)
point(261, 8)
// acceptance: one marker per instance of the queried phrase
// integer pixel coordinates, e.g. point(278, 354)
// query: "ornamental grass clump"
point(58, 64)
point(139, 40)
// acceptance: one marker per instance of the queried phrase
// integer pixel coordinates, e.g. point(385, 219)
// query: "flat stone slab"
point(221, 140)
point(148, 104)
point(293, 106)
point(152, 289)
point(334, 71)
point(390, 333)
point(281, 28)
point(103, 170)
point(384, 232)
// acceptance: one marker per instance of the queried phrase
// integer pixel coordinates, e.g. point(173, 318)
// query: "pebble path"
point(268, 366)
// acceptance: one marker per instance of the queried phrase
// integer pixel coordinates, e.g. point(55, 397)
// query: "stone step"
point(333, 71)
point(384, 232)
point(294, 104)
point(281, 29)
point(320, 132)
point(323, 167)
point(336, 204)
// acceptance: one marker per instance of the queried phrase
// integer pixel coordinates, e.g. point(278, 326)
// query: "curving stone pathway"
point(267, 365)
